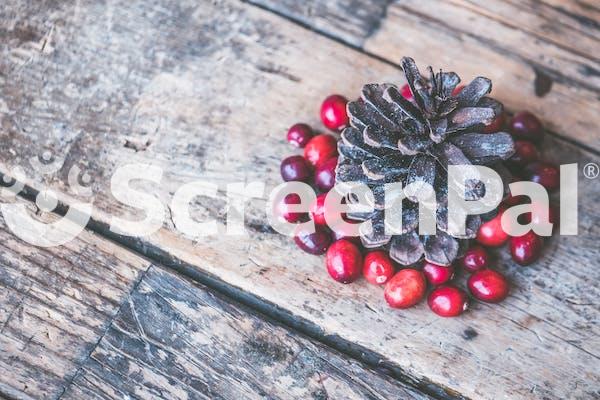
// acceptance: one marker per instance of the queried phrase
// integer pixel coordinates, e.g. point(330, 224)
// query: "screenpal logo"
point(344, 203)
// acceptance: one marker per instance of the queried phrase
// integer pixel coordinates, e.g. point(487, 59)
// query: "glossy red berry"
point(457, 90)
point(496, 125)
point(488, 285)
point(378, 268)
point(527, 248)
point(289, 216)
point(405, 289)
point(448, 301)
point(525, 125)
point(406, 92)
point(317, 209)
point(344, 261)
point(525, 152)
point(333, 112)
point(320, 149)
point(546, 174)
point(313, 243)
point(491, 233)
point(295, 168)
point(475, 259)
point(438, 274)
point(540, 215)
point(325, 175)
point(299, 135)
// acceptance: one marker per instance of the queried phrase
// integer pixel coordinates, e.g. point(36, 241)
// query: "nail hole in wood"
point(542, 83)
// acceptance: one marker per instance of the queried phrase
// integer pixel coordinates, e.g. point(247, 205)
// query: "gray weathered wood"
point(55, 304)
point(206, 92)
point(87, 320)
point(348, 20)
point(541, 56)
point(174, 340)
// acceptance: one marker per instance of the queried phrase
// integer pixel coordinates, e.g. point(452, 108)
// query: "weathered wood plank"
point(206, 92)
point(172, 339)
point(348, 20)
point(184, 341)
point(586, 13)
point(578, 33)
point(53, 311)
point(540, 57)
point(572, 66)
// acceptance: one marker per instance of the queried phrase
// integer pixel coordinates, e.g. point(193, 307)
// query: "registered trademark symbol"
point(591, 170)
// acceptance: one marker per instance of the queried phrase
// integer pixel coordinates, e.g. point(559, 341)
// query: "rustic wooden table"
point(205, 90)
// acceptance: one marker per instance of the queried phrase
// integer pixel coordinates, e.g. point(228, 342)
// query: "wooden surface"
point(55, 304)
point(206, 93)
point(172, 339)
point(94, 320)
point(541, 55)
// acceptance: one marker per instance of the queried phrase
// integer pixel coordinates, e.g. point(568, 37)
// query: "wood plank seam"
point(556, 75)
point(108, 326)
point(258, 305)
point(138, 358)
point(384, 60)
point(533, 33)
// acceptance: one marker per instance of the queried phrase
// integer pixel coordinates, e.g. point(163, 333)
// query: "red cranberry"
point(496, 125)
point(378, 268)
point(406, 92)
point(527, 248)
point(344, 261)
point(333, 112)
point(299, 134)
point(475, 258)
point(514, 200)
point(448, 301)
point(438, 274)
point(525, 125)
point(488, 285)
point(525, 153)
point(320, 149)
point(295, 168)
point(491, 233)
point(553, 215)
point(289, 216)
point(325, 175)
point(457, 90)
point(317, 209)
point(546, 174)
point(313, 243)
point(405, 289)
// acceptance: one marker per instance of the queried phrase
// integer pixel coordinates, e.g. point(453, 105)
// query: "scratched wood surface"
point(55, 304)
point(175, 340)
point(206, 92)
point(93, 320)
point(541, 55)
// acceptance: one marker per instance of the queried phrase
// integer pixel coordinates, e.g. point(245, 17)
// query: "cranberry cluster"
point(346, 260)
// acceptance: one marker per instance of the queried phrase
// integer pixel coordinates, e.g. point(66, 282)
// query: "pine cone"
point(392, 139)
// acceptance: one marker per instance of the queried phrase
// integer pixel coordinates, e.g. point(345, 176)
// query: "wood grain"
point(88, 319)
point(351, 21)
point(541, 57)
point(206, 93)
point(55, 304)
point(174, 340)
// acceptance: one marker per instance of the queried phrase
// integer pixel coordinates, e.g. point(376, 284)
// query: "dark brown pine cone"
point(392, 139)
